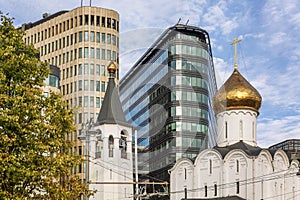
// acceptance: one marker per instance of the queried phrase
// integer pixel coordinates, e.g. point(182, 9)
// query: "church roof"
point(111, 111)
point(236, 93)
point(248, 149)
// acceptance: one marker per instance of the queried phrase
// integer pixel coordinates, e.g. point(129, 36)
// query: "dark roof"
point(248, 149)
point(30, 25)
point(219, 198)
point(111, 110)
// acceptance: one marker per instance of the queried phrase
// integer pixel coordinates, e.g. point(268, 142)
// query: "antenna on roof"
point(187, 22)
point(81, 3)
point(179, 20)
point(90, 3)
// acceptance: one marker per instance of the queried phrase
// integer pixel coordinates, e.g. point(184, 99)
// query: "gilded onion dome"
point(236, 93)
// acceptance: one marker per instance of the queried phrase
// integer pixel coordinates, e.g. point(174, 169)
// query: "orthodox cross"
point(235, 41)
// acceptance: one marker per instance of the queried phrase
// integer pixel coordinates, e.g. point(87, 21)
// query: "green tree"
point(35, 159)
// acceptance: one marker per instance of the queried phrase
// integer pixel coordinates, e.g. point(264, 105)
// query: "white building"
point(236, 166)
point(108, 147)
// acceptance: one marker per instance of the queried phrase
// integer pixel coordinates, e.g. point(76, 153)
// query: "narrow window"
point(185, 193)
point(184, 173)
point(241, 129)
point(86, 19)
point(216, 189)
point(210, 166)
point(205, 191)
point(110, 173)
point(226, 130)
point(111, 145)
point(237, 166)
point(237, 187)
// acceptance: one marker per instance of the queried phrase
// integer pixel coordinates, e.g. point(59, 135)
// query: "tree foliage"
point(35, 161)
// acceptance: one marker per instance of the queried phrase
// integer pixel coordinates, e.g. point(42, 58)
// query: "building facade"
point(167, 96)
point(236, 166)
point(81, 42)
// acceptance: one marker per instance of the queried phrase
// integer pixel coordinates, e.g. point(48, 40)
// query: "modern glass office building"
point(167, 97)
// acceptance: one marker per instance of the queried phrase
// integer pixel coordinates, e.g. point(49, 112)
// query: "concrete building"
point(108, 144)
point(236, 165)
point(81, 42)
point(167, 96)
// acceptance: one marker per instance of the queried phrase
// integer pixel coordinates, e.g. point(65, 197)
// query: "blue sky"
point(269, 54)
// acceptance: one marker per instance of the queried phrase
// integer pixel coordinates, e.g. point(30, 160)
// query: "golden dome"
point(111, 68)
point(236, 93)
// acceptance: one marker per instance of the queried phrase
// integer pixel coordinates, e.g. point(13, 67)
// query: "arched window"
point(210, 166)
point(111, 145)
point(205, 191)
point(123, 144)
point(237, 166)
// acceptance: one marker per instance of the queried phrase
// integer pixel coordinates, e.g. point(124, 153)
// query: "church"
point(236, 168)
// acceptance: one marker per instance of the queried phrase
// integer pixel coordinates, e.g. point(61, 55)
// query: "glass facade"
point(167, 97)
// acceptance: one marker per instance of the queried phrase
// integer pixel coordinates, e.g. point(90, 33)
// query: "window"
point(80, 101)
point(111, 145)
point(102, 70)
point(103, 54)
point(86, 52)
point(205, 190)
point(92, 19)
point(80, 118)
point(108, 55)
point(114, 41)
point(79, 69)
point(103, 38)
point(80, 53)
point(98, 37)
point(86, 68)
point(92, 53)
point(86, 102)
point(86, 85)
point(97, 85)
point(102, 86)
point(91, 68)
point(91, 85)
point(210, 166)
point(108, 39)
point(86, 19)
point(80, 36)
point(103, 21)
point(86, 36)
point(97, 102)
point(108, 22)
point(92, 36)
point(216, 189)
point(98, 53)
point(80, 85)
point(237, 187)
point(91, 101)
point(237, 166)
point(97, 20)
point(97, 69)
point(226, 129)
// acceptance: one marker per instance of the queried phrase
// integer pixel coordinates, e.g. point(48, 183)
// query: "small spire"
point(235, 41)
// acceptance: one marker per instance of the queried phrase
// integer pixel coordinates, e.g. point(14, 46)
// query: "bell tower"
point(108, 148)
